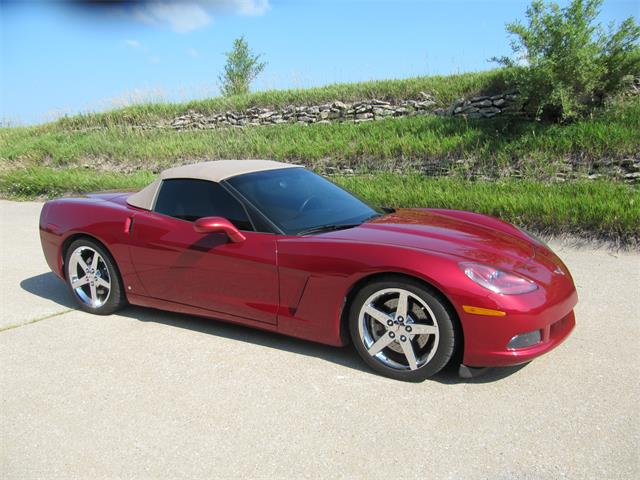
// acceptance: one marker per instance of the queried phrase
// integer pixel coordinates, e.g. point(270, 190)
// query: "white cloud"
point(252, 7)
point(133, 43)
point(184, 17)
point(239, 7)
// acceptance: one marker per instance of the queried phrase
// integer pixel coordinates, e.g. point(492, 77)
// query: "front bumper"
point(487, 338)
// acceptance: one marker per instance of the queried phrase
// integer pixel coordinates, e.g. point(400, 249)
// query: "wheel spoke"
point(407, 348)
point(378, 315)
point(79, 282)
point(382, 342)
point(94, 293)
point(420, 329)
point(94, 261)
point(103, 283)
point(403, 305)
point(83, 265)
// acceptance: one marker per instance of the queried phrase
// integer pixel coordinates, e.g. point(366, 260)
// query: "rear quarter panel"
point(64, 219)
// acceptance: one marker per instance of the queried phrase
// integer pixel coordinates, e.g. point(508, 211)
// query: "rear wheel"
point(402, 329)
point(93, 278)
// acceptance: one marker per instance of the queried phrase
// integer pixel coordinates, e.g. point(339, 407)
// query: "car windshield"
point(299, 201)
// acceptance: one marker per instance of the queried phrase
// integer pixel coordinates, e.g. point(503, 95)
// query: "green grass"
point(535, 149)
point(595, 210)
point(444, 88)
point(44, 182)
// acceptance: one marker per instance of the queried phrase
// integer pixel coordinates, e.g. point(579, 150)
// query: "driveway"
point(148, 394)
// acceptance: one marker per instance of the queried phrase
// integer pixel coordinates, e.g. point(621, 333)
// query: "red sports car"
point(277, 247)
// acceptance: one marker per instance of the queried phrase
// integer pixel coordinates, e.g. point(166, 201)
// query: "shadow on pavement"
point(50, 287)
point(346, 357)
point(449, 375)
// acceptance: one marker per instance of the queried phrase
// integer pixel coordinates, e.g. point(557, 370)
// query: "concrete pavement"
point(148, 394)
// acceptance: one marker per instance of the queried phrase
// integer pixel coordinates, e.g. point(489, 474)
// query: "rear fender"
point(62, 221)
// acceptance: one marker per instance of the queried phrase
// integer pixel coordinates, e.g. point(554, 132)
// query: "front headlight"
point(496, 280)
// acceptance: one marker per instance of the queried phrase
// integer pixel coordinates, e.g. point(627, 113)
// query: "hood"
point(469, 236)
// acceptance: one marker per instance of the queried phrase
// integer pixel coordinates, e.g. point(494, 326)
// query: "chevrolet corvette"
point(274, 246)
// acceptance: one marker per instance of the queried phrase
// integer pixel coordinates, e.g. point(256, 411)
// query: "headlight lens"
point(496, 280)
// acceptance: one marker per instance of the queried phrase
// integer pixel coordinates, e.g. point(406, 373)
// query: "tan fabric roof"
point(214, 171)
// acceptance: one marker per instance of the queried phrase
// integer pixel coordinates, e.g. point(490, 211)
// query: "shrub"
point(564, 63)
point(241, 69)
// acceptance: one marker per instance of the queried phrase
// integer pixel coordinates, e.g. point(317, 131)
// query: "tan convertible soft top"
point(214, 171)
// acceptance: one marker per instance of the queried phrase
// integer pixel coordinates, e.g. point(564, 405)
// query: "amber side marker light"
point(483, 311)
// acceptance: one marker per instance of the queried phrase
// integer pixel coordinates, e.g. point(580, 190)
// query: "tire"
point(386, 337)
point(94, 282)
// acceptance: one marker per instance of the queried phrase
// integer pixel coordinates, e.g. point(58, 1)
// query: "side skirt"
point(159, 304)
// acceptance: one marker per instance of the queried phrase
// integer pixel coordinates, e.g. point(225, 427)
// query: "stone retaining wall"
point(356, 112)
point(485, 106)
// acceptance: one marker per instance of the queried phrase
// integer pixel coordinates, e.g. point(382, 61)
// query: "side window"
point(190, 200)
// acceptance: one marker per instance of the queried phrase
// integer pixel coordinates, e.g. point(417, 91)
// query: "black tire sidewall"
point(442, 312)
point(116, 297)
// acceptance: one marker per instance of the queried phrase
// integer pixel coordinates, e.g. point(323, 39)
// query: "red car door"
point(206, 270)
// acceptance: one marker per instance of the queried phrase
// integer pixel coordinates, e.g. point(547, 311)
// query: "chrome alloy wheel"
point(398, 329)
point(89, 277)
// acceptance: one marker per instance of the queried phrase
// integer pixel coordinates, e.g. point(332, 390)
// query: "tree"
point(565, 64)
point(242, 67)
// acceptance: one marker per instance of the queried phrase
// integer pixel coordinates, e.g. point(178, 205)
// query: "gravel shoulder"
point(149, 394)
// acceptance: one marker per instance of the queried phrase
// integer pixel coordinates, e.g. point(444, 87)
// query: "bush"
point(565, 64)
point(241, 68)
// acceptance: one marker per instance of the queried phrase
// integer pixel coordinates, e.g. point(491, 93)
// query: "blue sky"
point(60, 60)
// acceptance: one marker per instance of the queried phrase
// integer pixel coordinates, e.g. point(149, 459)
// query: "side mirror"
point(218, 225)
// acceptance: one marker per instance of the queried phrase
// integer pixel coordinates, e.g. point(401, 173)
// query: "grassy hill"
point(110, 150)
point(490, 145)
point(446, 89)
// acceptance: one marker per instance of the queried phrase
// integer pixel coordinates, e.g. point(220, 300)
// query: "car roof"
point(214, 171)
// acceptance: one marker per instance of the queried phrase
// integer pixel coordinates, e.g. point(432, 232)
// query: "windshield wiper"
point(371, 217)
point(328, 228)
point(336, 226)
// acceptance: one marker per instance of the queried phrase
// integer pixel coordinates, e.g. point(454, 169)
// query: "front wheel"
point(402, 329)
point(93, 278)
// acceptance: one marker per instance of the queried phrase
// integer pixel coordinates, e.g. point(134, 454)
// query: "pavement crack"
point(35, 320)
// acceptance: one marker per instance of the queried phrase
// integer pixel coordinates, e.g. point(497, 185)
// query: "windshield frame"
point(375, 212)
